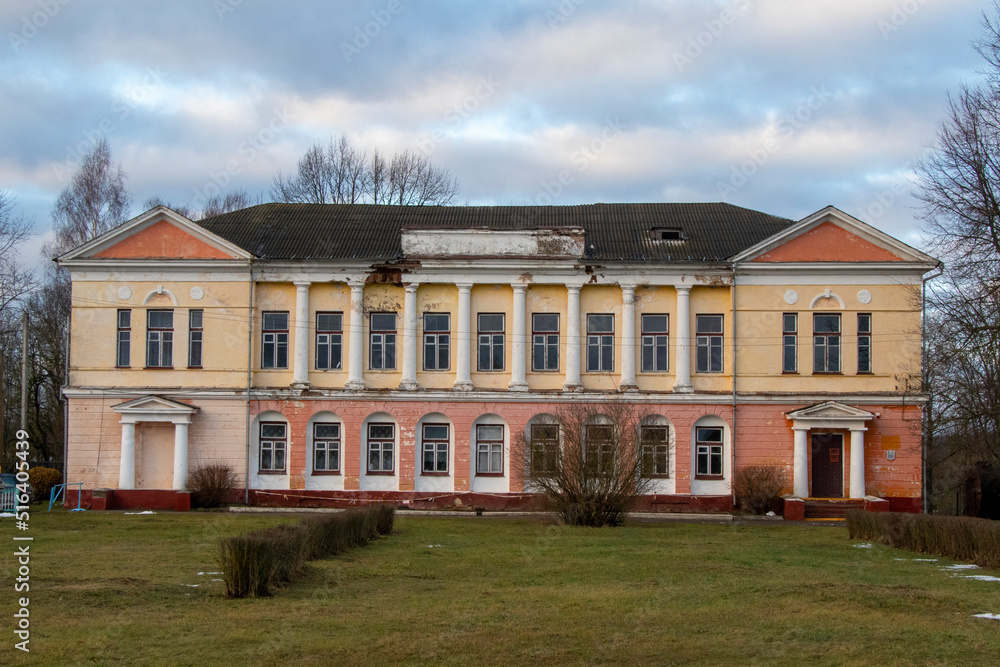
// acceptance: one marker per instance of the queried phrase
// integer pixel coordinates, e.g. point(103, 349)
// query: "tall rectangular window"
point(274, 339)
point(491, 334)
point(273, 445)
point(600, 343)
point(326, 447)
point(123, 348)
point(708, 446)
point(434, 442)
point(655, 450)
point(382, 341)
point(544, 342)
point(598, 453)
point(489, 449)
point(437, 341)
point(381, 444)
point(654, 330)
point(864, 342)
point(329, 341)
point(826, 343)
point(159, 338)
point(196, 332)
point(790, 343)
point(708, 339)
point(544, 448)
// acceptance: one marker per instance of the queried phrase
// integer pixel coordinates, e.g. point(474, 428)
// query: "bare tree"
point(157, 200)
point(94, 202)
point(15, 281)
point(589, 462)
point(232, 201)
point(341, 174)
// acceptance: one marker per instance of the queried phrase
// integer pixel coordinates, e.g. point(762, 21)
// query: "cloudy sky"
point(782, 106)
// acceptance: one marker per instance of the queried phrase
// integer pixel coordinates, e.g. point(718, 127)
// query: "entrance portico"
point(819, 420)
point(154, 409)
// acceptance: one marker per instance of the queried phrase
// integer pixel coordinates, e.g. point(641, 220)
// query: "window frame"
point(123, 340)
point(273, 440)
point(543, 451)
point(164, 343)
point(492, 445)
point(494, 343)
point(651, 337)
point(382, 449)
point(603, 342)
point(825, 347)
point(337, 441)
point(599, 453)
point(790, 343)
point(711, 456)
point(655, 446)
point(278, 342)
point(196, 337)
point(709, 340)
point(387, 342)
point(438, 446)
point(439, 342)
point(545, 341)
point(333, 339)
point(865, 343)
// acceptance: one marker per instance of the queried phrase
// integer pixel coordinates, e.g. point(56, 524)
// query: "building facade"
point(343, 353)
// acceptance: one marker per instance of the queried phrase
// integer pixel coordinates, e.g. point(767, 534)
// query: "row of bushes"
point(253, 564)
point(958, 537)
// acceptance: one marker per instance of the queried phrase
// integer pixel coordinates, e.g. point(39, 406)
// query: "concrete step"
point(831, 508)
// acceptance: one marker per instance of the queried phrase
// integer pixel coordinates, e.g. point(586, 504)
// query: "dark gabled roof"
point(614, 232)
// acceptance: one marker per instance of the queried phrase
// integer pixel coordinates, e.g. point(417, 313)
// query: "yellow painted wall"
point(382, 298)
point(546, 299)
point(437, 299)
point(712, 301)
point(491, 299)
point(273, 297)
point(601, 299)
point(328, 298)
point(657, 301)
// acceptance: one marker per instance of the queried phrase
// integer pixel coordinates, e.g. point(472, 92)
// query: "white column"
point(682, 381)
point(126, 469)
point(355, 358)
point(180, 455)
point(572, 339)
point(409, 382)
point(300, 363)
point(628, 339)
point(463, 335)
point(858, 462)
point(518, 380)
point(800, 465)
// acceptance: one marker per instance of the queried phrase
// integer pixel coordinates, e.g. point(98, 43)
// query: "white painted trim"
point(826, 295)
point(158, 292)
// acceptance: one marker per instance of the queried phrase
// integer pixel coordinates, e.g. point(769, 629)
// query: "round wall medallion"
point(197, 293)
point(124, 293)
point(791, 297)
point(864, 296)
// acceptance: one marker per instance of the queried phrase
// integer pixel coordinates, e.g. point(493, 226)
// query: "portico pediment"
point(830, 411)
point(155, 408)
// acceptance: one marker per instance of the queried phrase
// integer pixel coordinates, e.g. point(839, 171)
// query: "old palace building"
point(358, 352)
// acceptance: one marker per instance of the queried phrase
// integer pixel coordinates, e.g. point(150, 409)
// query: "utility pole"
point(24, 371)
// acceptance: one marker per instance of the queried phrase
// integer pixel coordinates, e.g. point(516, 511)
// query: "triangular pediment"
point(830, 411)
point(832, 236)
point(161, 234)
point(154, 405)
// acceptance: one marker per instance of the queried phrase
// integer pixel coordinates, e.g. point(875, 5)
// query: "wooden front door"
point(827, 465)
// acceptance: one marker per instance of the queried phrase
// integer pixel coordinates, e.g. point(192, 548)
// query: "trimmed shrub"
point(758, 487)
point(254, 563)
point(42, 480)
point(958, 537)
point(211, 485)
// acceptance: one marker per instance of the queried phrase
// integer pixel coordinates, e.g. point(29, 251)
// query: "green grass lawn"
point(110, 588)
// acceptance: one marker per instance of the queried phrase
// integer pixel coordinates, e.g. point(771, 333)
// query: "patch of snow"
point(961, 566)
point(902, 559)
point(6, 515)
point(995, 617)
point(146, 512)
point(981, 577)
point(771, 514)
point(191, 585)
point(863, 545)
point(218, 579)
point(925, 560)
point(431, 546)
